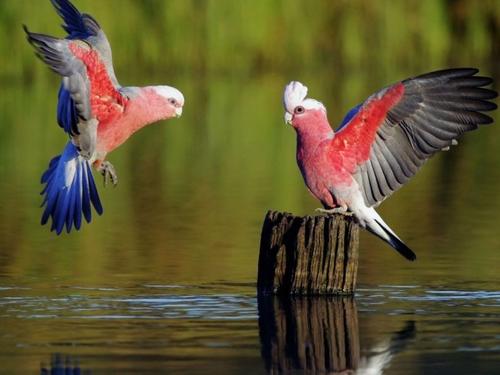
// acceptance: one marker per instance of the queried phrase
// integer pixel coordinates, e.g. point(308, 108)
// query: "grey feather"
point(393, 172)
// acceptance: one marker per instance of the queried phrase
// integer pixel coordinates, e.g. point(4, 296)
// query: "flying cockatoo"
point(384, 141)
point(95, 111)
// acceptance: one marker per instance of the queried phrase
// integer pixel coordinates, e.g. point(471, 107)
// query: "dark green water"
point(164, 281)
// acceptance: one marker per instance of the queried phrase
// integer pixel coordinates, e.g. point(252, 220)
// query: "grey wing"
point(57, 55)
point(434, 111)
point(84, 27)
point(74, 113)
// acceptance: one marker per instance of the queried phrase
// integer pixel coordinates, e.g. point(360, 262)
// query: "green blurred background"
point(193, 191)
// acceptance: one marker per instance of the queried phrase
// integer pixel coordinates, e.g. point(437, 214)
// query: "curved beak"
point(178, 112)
point(288, 118)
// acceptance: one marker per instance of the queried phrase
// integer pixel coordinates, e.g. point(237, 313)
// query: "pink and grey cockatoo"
point(384, 141)
point(95, 111)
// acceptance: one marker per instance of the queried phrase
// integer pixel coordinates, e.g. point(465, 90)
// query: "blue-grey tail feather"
point(66, 199)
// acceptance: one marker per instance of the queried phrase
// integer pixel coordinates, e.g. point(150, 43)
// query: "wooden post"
point(309, 334)
point(308, 255)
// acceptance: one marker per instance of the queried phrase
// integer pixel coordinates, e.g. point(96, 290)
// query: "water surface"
point(223, 327)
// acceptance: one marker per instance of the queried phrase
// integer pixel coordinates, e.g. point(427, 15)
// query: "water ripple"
point(207, 302)
point(209, 307)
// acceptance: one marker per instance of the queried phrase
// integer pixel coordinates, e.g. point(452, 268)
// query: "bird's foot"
point(336, 210)
point(109, 172)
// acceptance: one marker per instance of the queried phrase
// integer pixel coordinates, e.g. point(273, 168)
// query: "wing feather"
point(76, 85)
point(381, 175)
point(430, 113)
point(393, 171)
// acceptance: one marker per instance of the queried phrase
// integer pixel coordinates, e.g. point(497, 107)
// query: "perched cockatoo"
point(384, 141)
point(95, 111)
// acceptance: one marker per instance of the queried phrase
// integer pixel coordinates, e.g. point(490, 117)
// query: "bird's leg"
point(107, 170)
point(336, 210)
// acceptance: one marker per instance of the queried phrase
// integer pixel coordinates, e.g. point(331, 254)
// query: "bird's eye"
point(299, 109)
point(172, 101)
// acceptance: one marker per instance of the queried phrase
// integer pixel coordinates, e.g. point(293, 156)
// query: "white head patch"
point(170, 92)
point(295, 95)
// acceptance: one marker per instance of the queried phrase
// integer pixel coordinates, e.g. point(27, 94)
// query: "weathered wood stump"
point(308, 255)
point(309, 334)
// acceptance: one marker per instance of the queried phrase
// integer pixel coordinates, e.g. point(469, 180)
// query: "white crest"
point(295, 95)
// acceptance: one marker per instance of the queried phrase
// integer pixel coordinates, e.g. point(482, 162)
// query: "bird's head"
point(301, 111)
point(173, 100)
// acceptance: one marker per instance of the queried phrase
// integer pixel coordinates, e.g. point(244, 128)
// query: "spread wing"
point(396, 130)
point(89, 90)
point(84, 27)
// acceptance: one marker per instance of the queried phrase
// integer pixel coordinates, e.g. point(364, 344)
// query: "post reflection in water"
point(315, 334)
point(321, 334)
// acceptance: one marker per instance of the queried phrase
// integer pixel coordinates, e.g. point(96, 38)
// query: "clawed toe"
point(108, 172)
point(336, 210)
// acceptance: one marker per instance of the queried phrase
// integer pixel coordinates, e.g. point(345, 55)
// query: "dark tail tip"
point(398, 245)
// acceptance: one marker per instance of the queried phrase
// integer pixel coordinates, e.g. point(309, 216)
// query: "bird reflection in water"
point(63, 365)
point(320, 335)
point(385, 350)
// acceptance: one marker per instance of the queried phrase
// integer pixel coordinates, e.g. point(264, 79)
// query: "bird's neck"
point(312, 132)
point(143, 106)
point(146, 107)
